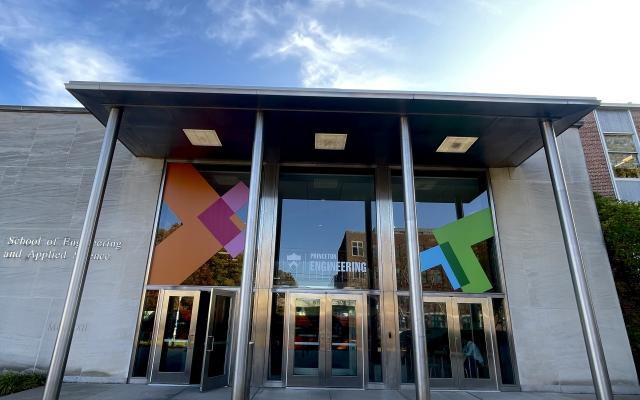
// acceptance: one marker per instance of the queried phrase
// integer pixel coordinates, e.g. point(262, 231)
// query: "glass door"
point(460, 342)
point(217, 345)
point(344, 341)
point(175, 336)
point(440, 342)
point(325, 340)
point(305, 361)
point(474, 333)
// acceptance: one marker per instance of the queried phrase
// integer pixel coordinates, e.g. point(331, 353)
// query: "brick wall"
point(595, 156)
point(635, 115)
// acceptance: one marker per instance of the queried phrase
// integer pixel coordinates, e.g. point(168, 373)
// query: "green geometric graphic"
point(456, 240)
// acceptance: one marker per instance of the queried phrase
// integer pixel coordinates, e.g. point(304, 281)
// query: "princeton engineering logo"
point(455, 254)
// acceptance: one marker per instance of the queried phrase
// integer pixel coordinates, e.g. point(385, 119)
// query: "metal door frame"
point(180, 378)
point(206, 382)
point(324, 377)
point(453, 347)
point(304, 380)
point(490, 339)
point(344, 381)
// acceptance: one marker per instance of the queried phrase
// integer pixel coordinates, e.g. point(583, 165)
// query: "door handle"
point(210, 346)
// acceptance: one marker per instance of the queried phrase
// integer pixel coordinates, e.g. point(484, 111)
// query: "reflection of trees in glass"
point(283, 278)
point(219, 270)
point(162, 233)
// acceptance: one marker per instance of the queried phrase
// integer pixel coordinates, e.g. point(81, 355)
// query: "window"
point(325, 225)
point(357, 248)
point(451, 204)
point(621, 142)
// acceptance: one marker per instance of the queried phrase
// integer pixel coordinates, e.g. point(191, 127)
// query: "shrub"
point(620, 222)
point(12, 382)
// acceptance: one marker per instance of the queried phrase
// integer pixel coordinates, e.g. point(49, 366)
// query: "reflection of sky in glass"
point(479, 203)
point(167, 217)
point(429, 215)
point(319, 225)
point(316, 226)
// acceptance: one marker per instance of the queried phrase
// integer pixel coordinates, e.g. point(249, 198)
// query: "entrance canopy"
point(154, 117)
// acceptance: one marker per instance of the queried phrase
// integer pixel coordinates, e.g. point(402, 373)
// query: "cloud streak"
point(333, 59)
point(47, 66)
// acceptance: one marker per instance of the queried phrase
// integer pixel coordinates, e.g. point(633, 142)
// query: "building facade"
point(611, 143)
point(331, 287)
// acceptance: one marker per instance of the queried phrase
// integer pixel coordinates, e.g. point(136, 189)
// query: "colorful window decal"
point(455, 254)
point(208, 225)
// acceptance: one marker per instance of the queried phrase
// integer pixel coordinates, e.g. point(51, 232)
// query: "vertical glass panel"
point(276, 336)
point(210, 205)
point(504, 346)
point(473, 340)
point(440, 202)
point(145, 334)
point(344, 345)
point(437, 331)
point(306, 345)
point(175, 339)
point(325, 231)
point(406, 335)
point(220, 333)
point(375, 340)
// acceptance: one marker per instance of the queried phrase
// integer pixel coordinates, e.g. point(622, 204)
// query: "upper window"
point(455, 235)
point(621, 142)
point(200, 234)
point(326, 229)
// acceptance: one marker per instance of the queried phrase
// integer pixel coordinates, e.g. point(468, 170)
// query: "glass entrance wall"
point(325, 241)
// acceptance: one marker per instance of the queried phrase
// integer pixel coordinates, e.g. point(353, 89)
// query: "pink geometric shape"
point(216, 219)
point(236, 245)
point(237, 196)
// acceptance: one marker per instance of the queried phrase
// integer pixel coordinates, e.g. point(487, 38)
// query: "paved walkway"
point(93, 391)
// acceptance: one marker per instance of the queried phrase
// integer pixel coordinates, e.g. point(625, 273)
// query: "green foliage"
point(621, 228)
point(12, 382)
point(620, 222)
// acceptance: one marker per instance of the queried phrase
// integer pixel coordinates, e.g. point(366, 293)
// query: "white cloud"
point(337, 60)
point(46, 67)
point(239, 21)
point(15, 23)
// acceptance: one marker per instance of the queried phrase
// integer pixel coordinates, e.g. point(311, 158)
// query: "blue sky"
point(561, 47)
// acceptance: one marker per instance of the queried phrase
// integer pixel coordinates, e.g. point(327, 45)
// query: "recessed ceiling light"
point(330, 141)
point(203, 137)
point(456, 144)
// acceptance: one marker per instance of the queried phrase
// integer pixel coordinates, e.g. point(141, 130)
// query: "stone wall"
point(549, 345)
point(47, 164)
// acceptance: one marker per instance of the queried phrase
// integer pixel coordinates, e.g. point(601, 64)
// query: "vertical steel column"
point(387, 280)
point(597, 362)
point(74, 293)
point(413, 260)
point(240, 376)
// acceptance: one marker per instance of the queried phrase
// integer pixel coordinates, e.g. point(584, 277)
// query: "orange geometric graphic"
point(188, 195)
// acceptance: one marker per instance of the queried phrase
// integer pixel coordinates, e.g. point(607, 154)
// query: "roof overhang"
point(154, 116)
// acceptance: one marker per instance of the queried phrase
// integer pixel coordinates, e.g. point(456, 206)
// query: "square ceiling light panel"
point(203, 137)
point(330, 141)
point(456, 144)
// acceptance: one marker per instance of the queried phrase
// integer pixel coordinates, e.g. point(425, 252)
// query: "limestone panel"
point(549, 345)
point(47, 166)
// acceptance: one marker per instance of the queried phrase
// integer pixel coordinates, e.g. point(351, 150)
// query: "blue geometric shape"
point(433, 257)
